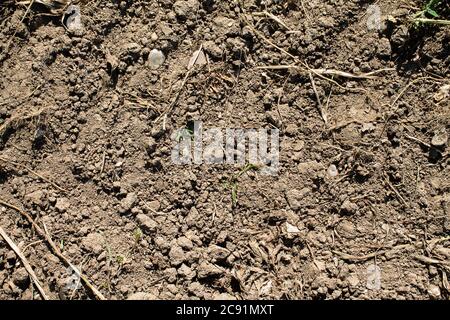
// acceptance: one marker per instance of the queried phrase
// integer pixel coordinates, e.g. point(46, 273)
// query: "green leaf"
point(234, 194)
point(432, 13)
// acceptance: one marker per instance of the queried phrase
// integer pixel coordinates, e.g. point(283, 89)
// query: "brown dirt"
point(81, 110)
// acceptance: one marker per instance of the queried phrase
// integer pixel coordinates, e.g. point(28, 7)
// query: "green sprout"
point(120, 260)
point(233, 183)
point(184, 133)
point(137, 233)
point(429, 14)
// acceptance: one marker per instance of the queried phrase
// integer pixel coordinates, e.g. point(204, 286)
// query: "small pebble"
point(349, 207)
point(73, 22)
point(147, 224)
point(440, 138)
point(291, 228)
point(434, 291)
point(197, 58)
point(156, 58)
point(332, 171)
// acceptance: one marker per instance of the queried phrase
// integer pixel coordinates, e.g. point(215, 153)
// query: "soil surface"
point(359, 208)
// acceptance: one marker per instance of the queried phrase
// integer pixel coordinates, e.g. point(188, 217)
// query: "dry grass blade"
point(329, 72)
point(418, 141)
point(428, 260)
point(44, 234)
point(399, 196)
point(25, 263)
point(322, 111)
point(50, 4)
point(274, 18)
point(183, 84)
point(433, 21)
point(337, 73)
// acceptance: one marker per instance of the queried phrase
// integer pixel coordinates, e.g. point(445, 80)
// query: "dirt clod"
point(21, 278)
point(93, 242)
point(147, 224)
point(142, 296)
point(348, 207)
point(128, 202)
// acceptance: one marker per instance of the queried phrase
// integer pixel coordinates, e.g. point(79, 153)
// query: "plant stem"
point(432, 21)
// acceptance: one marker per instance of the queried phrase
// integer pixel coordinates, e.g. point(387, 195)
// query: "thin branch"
point(55, 249)
point(25, 263)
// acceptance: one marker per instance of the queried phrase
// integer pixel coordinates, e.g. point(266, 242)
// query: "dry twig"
point(44, 234)
point(395, 190)
point(274, 18)
point(25, 263)
point(319, 102)
point(177, 96)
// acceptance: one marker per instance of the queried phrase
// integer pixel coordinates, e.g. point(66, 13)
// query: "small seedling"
point(186, 133)
point(430, 8)
point(233, 182)
point(429, 14)
point(120, 260)
point(137, 233)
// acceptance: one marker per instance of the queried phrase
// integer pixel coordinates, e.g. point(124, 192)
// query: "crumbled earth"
point(359, 208)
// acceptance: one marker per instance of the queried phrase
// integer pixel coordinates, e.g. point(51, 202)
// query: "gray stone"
point(440, 138)
point(156, 58)
point(332, 171)
point(73, 22)
point(197, 58)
